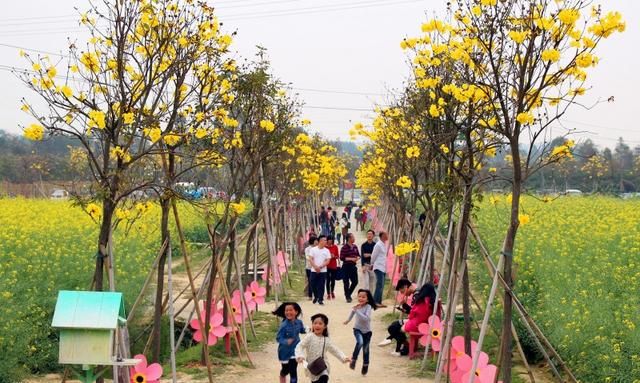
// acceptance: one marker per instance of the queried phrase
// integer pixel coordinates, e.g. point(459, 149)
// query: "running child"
point(288, 338)
point(313, 346)
point(362, 328)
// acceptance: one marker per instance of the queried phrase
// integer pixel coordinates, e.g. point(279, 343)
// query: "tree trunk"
point(108, 207)
point(507, 251)
point(165, 205)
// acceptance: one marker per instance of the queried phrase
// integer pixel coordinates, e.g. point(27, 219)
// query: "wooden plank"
point(90, 347)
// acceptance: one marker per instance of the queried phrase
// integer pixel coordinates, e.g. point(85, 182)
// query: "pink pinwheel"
point(254, 295)
point(215, 307)
point(239, 313)
point(485, 373)
point(216, 329)
point(462, 360)
point(283, 262)
point(432, 333)
point(267, 275)
point(143, 373)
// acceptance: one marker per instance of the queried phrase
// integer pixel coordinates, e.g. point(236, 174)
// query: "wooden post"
point(267, 226)
point(183, 248)
point(485, 320)
point(172, 339)
point(536, 335)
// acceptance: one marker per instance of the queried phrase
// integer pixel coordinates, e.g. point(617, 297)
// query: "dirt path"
point(383, 365)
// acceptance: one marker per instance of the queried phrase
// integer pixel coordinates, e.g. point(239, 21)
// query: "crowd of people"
point(331, 225)
point(326, 263)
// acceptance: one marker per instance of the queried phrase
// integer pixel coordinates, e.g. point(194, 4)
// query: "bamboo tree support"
point(267, 226)
point(243, 301)
point(454, 280)
point(531, 326)
point(206, 266)
point(439, 289)
point(449, 313)
point(197, 302)
point(448, 330)
point(255, 253)
point(172, 339)
point(120, 346)
point(514, 333)
point(234, 324)
point(146, 282)
point(485, 320)
point(185, 255)
point(425, 250)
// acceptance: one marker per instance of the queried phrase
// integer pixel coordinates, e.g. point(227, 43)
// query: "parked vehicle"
point(60, 194)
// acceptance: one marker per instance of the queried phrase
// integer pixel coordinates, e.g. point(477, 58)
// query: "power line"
point(40, 17)
point(256, 4)
point(32, 50)
point(337, 91)
point(337, 108)
point(26, 24)
point(241, 16)
point(598, 126)
point(20, 21)
point(319, 9)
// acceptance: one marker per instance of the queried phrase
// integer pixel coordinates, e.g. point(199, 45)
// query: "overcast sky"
point(341, 56)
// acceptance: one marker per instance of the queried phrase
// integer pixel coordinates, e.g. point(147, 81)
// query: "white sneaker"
point(395, 353)
point(385, 342)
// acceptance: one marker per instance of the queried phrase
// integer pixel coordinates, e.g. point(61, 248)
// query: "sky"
point(342, 57)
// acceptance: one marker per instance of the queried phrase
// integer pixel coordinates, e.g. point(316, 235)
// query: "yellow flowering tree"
point(531, 59)
point(148, 68)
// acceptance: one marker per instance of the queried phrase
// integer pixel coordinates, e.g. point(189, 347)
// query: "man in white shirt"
point(313, 242)
point(319, 258)
point(379, 265)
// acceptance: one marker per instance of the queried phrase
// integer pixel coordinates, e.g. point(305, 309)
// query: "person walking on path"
point(349, 256)
point(379, 265)
point(344, 228)
point(332, 219)
point(315, 345)
point(324, 221)
point(366, 249)
point(320, 258)
point(313, 242)
point(332, 267)
point(362, 328)
point(358, 216)
point(288, 337)
point(364, 218)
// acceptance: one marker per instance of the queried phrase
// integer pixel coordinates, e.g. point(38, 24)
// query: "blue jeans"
point(317, 284)
point(362, 342)
point(377, 296)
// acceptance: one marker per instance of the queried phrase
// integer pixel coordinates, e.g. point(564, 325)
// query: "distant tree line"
point(589, 169)
point(25, 161)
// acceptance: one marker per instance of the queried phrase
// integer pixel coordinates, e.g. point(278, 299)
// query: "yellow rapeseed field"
point(46, 246)
point(578, 274)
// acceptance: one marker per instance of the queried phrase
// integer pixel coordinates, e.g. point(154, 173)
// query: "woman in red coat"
point(421, 310)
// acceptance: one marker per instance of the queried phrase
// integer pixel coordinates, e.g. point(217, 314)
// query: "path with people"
point(383, 366)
